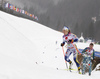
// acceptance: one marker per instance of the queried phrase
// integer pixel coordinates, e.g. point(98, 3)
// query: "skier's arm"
point(75, 38)
point(84, 51)
point(63, 43)
point(93, 54)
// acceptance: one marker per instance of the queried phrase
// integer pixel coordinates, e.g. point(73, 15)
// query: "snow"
point(29, 50)
point(97, 67)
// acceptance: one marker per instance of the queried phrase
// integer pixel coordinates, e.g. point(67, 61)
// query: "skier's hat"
point(66, 28)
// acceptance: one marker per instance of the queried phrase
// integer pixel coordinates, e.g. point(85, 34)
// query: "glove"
point(62, 44)
point(84, 55)
point(71, 41)
point(92, 58)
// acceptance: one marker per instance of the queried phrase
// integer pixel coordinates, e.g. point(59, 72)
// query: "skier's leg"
point(77, 63)
point(75, 55)
point(68, 53)
point(84, 65)
point(90, 64)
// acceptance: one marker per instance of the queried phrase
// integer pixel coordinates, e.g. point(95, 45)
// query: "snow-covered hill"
point(29, 50)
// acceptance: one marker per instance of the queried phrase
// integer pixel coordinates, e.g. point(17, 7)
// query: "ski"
point(67, 69)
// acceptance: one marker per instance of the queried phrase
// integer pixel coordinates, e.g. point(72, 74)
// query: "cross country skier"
point(70, 38)
point(88, 54)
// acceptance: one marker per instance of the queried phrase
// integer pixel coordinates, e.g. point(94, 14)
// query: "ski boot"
point(79, 70)
point(89, 74)
point(70, 66)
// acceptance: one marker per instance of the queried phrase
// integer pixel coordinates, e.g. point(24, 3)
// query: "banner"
point(20, 10)
point(10, 6)
point(23, 12)
point(17, 9)
point(6, 5)
point(13, 7)
point(26, 12)
point(30, 15)
point(36, 18)
point(33, 16)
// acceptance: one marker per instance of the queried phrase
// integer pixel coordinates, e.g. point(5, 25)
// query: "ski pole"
point(64, 56)
point(76, 49)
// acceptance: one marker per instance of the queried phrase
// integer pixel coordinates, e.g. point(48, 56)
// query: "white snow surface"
point(97, 67)
point(28, 50)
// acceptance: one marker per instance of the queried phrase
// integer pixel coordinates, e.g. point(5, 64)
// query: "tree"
point(77, 29)
point(91, 30)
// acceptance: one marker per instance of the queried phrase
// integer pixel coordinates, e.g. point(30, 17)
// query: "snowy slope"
point(97, 67)
point(23, 43)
